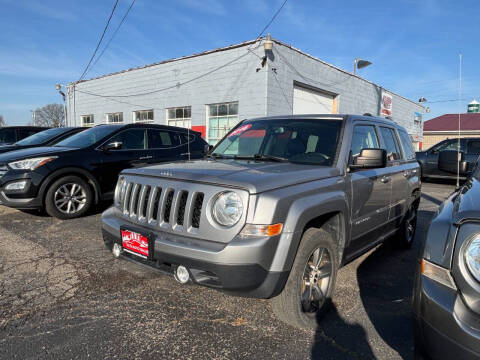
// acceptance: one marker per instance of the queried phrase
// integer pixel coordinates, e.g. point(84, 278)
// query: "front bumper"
point(239, 267)
point(444, 327)
point(30, 196)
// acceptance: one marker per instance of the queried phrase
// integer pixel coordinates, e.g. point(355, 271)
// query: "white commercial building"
point(211, 91)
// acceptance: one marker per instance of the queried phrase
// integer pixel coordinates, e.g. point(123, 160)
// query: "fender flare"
point(301, 212)
point(70, 171)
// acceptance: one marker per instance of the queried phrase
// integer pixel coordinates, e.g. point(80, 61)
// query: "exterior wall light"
point(268, 44)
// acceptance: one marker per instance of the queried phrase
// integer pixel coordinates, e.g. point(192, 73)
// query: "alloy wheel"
point(316, 280)
point(70, 198)
point(411, 224)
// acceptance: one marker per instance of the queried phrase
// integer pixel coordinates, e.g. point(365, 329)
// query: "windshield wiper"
point(261, 157)
point(219, 156)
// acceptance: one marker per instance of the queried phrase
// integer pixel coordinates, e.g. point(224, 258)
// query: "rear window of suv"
point(407, 145)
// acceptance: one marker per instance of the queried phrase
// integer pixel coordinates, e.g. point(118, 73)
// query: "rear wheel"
point(68, 198)
point(406, 234)
point(307, 293)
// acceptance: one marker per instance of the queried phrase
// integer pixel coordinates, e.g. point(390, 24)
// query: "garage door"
point(307, 101)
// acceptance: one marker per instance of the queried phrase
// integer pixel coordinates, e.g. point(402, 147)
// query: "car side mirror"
point(207, 148)
point(449, 160)
point(370, 159)
point(116, 145)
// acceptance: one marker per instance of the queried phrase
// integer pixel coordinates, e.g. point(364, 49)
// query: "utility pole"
point(34, 115)
point(58, 87)
point(459, 112)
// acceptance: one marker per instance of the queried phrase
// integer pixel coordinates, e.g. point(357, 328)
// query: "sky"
point(414, 45)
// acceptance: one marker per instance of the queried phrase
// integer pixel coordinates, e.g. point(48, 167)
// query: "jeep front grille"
point(164, 205)
point(176, 208)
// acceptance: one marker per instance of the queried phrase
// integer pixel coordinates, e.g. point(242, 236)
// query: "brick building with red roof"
point(446, 127)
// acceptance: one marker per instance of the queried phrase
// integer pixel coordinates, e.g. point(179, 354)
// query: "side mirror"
point(449, 160)
point(207, 148)
point(116, 145)
point(370, 159)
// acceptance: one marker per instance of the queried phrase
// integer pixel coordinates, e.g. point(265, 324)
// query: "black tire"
point(408, 227)
point(288, 306)
point(53, 198)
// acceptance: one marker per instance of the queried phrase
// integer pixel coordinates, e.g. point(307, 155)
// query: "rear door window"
point(407, 145)
point(391, 145)
point(161, 139)
point(473, 147)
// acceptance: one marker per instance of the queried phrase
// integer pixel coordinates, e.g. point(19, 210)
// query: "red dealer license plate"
point(135, 243)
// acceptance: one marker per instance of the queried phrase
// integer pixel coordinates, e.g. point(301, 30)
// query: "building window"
point(115, 118)
point(87, 120)
point(221, 118)
point(143, 116)
point(180, 116)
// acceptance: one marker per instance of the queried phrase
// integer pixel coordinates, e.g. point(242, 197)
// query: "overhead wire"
point(175, 85)
point(112, 97)
point(100, 40)
point(112, 37)
point(271, 21)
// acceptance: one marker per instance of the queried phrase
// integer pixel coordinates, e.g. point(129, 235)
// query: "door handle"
point(385, 179)
point(145, 157)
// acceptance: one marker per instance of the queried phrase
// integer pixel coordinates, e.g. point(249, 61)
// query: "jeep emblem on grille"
point(166, 173)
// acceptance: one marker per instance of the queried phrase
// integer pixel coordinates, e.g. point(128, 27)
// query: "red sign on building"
point(386, 104)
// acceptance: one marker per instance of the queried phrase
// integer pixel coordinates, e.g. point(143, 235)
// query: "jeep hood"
point(255, 176)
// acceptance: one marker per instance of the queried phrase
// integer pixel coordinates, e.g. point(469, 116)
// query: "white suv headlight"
point(472, 256)
point(31, 164)
point(227, 208)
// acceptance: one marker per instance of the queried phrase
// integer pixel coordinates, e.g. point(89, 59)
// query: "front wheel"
point(307, 293)
point(68, 198)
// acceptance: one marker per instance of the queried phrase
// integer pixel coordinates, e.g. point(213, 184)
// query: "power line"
point(176, 85)
point(117, 101)
point(294, 69)
point(114, 33)
point(249, 50)
point(99, 41)
point(283, 92)
point(271, 20)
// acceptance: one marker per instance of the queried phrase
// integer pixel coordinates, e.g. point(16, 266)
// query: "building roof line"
point(226, 48)
point(236, 46)
point(341, 70)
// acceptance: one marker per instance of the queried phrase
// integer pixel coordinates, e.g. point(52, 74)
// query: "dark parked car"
point(428, 159)
point(277, 208)
point(43, 138)
point(446, 301)
point(12, 134)
point(66, 179)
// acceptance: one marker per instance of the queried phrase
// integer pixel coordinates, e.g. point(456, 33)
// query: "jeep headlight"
point(227, 208)
point(31, 164)
point(472, 256)
point(120, 191)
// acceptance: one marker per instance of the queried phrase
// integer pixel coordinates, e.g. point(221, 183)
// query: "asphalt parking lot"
point(63, 295)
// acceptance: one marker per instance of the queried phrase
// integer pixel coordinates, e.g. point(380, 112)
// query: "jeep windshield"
point(306, 141)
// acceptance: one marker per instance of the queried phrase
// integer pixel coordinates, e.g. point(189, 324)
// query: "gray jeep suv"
point(275, 209)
